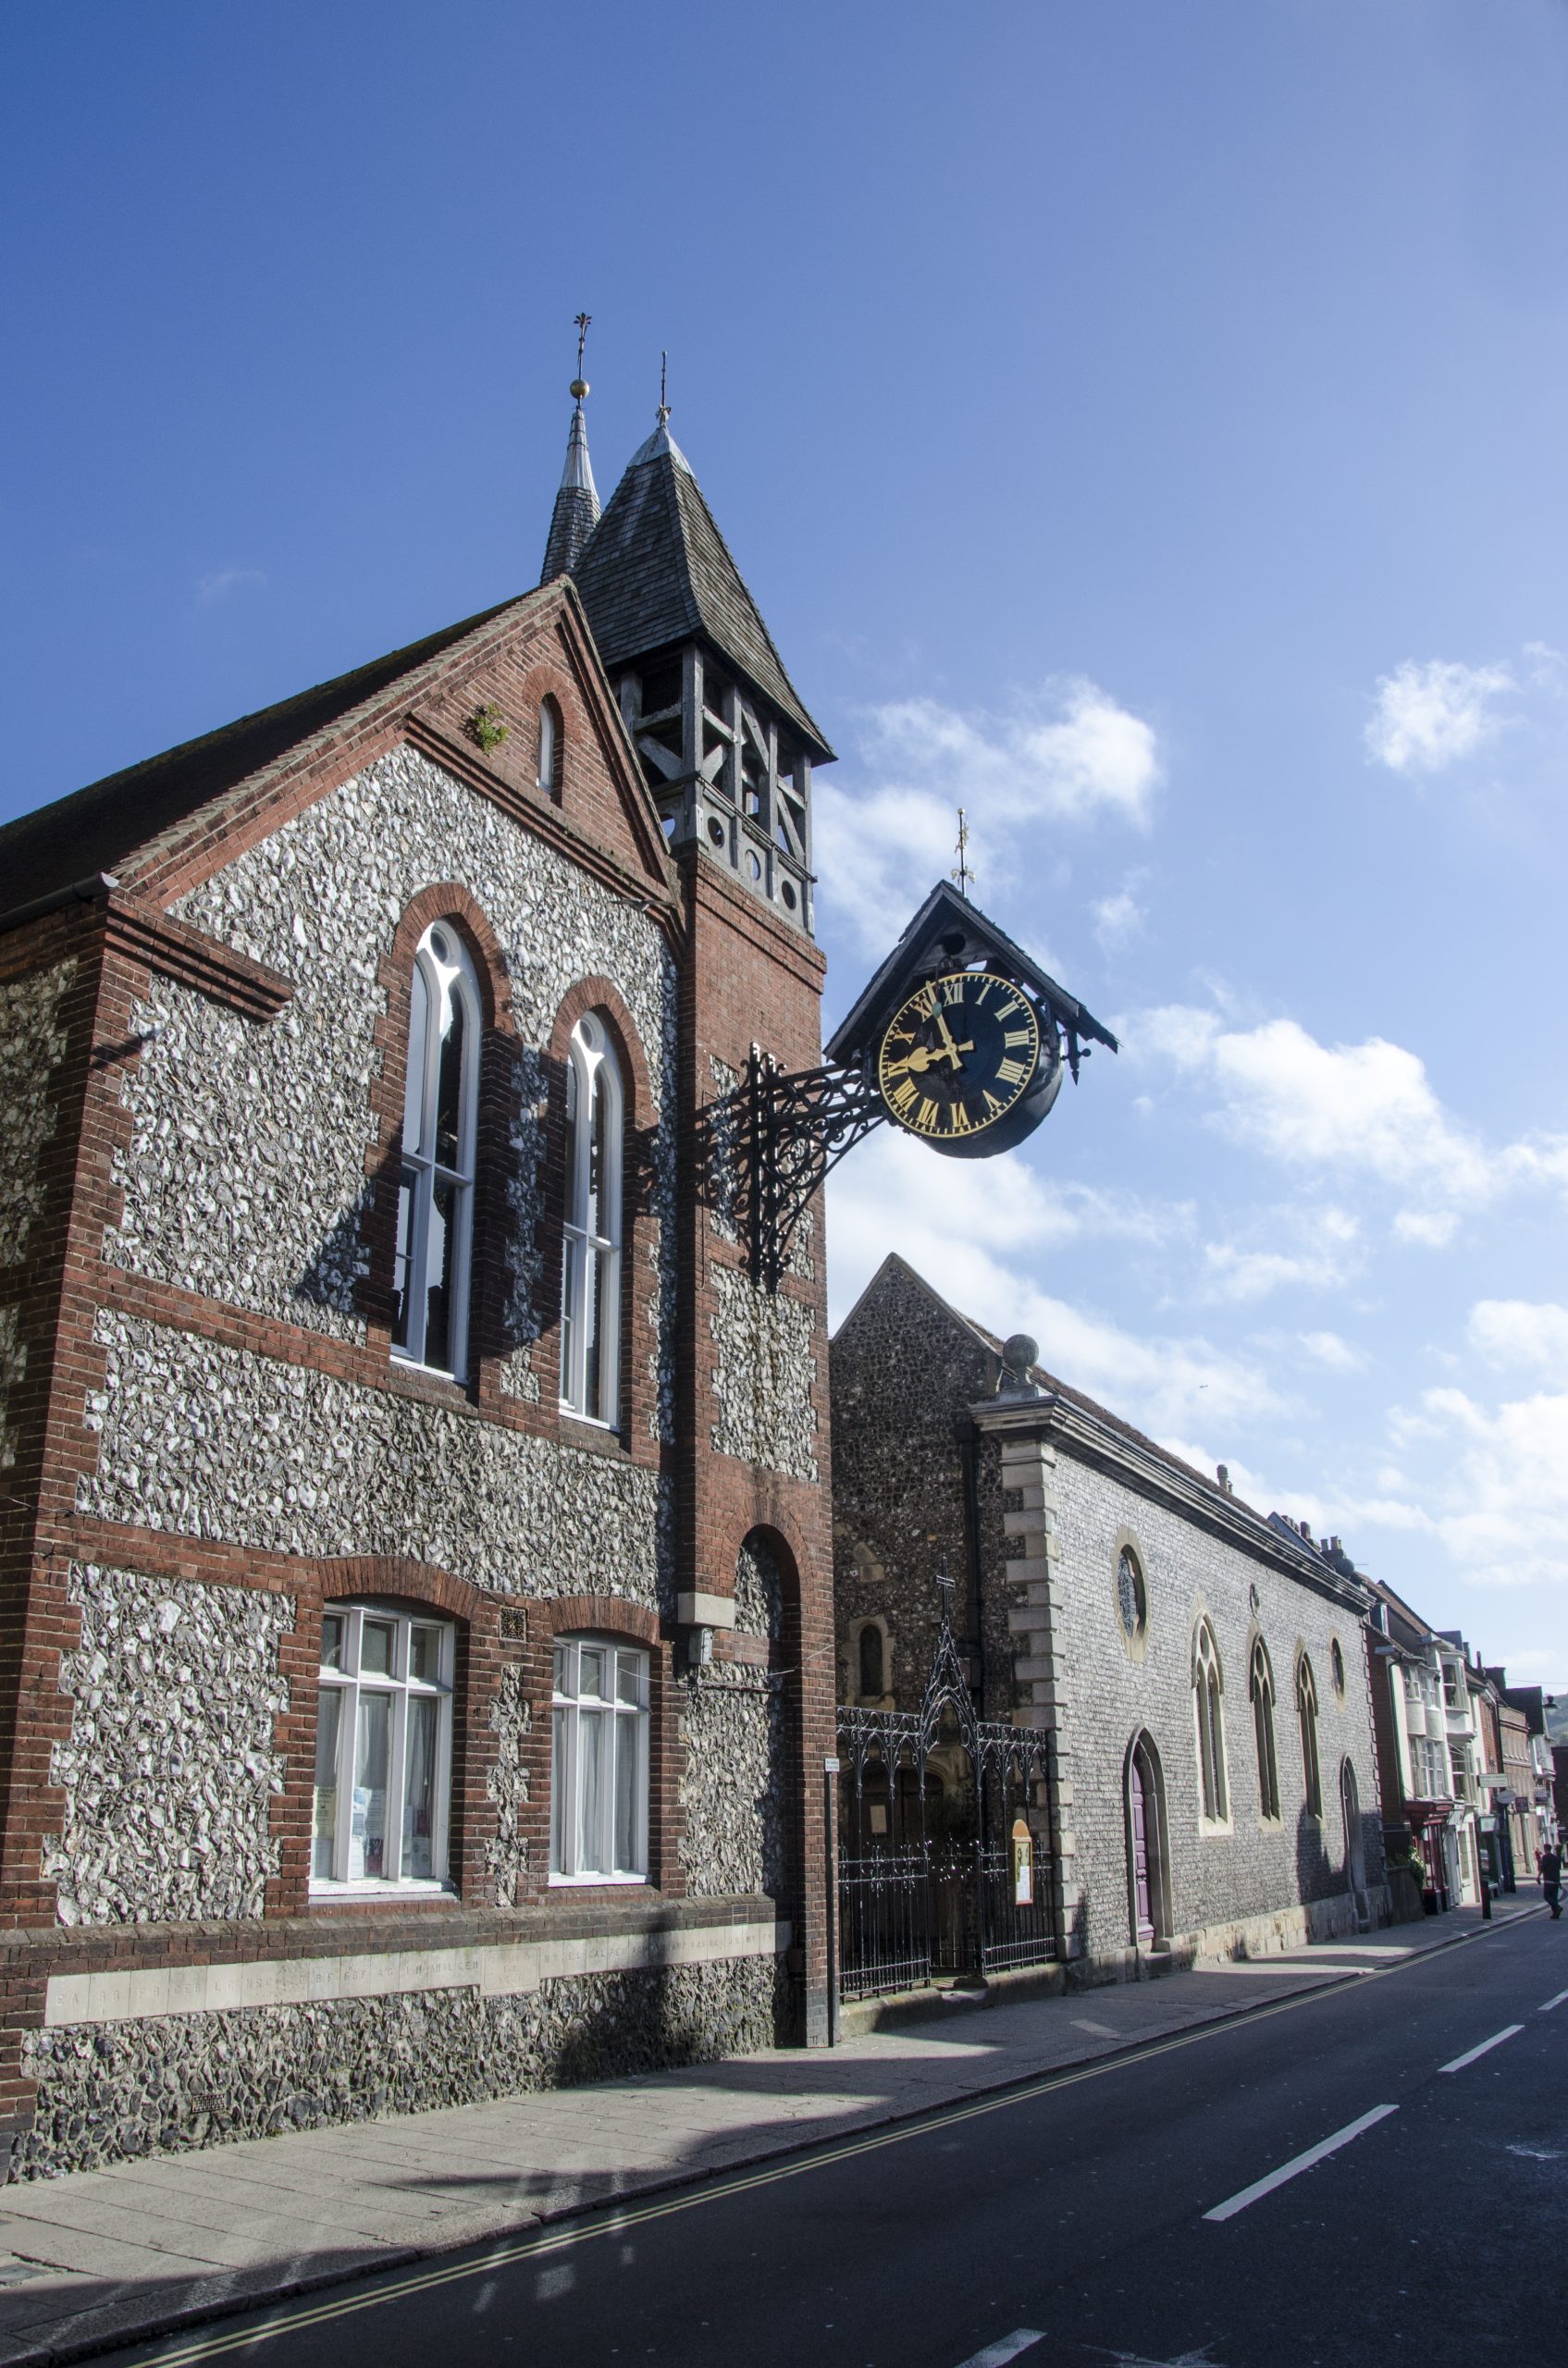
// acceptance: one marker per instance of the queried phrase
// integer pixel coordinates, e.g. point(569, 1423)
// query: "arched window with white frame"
point(1208, 1693)
point(591, 1264)
point(435, 1242)
point(550, 748)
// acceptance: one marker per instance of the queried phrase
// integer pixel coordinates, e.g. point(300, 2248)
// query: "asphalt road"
point(1104, 2215)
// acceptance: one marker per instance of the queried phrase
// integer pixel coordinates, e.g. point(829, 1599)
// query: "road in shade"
point(1369, 2174)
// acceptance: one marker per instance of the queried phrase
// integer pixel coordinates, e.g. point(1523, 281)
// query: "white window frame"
point(351, 1684)
point(547, 775)
point(1208, 1705)
point(443, 981)
point(626, 1672)
point(592, 1391)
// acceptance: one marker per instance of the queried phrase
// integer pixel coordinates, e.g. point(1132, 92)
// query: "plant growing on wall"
point(487, 728)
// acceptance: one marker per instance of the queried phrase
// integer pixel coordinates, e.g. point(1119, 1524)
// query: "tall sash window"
point(436, 1166)
point(590, 1271)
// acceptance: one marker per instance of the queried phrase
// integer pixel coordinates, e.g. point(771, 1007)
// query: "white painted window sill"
point(596, 1882)
point(375, 1887)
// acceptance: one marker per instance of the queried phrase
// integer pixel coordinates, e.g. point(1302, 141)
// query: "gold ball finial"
point(579, 388)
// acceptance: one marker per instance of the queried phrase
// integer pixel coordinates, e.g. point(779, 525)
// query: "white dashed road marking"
point(1298, 2164)
point(1101, 2030)
point(1486, 2045)
point(997, 2355)
point(1553, 2002)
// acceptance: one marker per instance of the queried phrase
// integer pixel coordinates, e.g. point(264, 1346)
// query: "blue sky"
point(1141, 423)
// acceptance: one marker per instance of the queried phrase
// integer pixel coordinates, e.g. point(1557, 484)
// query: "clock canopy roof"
point(949, 933)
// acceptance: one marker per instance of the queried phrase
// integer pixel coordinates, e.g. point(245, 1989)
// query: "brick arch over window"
point(638, 1394)
point(498, 1089)
point(575, 729)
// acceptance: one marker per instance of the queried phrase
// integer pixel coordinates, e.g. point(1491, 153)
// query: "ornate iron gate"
point(930, 1879)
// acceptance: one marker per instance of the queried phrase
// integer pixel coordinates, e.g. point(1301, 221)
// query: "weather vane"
point(579, 384)
point(663, 401)
point(961, 872)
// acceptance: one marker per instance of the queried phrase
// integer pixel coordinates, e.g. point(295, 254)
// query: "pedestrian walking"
point(1551, 1879)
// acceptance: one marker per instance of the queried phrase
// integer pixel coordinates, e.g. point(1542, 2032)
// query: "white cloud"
point(223, 581)
point(1425, 717)
point(1066, 755)
point(1501, 1504)
point(1521, 1332)
point(1329, 1348)
point(974, 1230)
point(1117, 920)
point(1365, 1110)
point(1325, 1251)
point(1426, 1228)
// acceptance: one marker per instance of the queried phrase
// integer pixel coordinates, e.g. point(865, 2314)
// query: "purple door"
point(1141, 1852)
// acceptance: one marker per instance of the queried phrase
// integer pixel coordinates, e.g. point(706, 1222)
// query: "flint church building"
point(1197, 1670)
point(417, 1605)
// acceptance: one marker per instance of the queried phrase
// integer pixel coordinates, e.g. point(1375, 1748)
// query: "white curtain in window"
point(599, 1762)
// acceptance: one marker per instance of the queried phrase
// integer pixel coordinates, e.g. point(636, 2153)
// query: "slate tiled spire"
point(576, 502)
point(658, 573)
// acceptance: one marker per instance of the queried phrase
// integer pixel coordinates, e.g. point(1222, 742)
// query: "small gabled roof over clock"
point(657, 572)
point(948, 933)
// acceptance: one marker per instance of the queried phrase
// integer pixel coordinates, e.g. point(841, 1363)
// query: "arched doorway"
point(1147, 1885)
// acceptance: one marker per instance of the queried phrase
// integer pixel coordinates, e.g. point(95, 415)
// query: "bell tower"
point(724, 741)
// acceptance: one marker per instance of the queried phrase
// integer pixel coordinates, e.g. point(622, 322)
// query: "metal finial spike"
point(584, 322)
point(663, 376)
point(961, 872)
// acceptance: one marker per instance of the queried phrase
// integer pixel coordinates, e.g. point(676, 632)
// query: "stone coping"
point(504, 1971)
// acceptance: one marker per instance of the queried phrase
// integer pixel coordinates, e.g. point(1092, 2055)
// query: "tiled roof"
point(656, 571)
point(98, 828)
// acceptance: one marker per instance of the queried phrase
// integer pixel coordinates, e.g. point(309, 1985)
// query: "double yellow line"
point(606, 2224)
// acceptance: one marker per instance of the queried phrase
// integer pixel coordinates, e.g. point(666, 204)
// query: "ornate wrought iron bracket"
point(767, 1148)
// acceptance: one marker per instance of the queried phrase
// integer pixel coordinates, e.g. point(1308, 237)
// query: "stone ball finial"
point(1019, 1353)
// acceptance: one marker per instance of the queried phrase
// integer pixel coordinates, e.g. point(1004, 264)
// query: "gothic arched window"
point(1132, 1599)
point(590, 1266)
point(1208, 1691)
point(1307, 1713)
point(871, 1659)
point(550, 748)
point(436, 1161)
point(1261, 1688)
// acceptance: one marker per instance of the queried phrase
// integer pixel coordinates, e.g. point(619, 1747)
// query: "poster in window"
point(1023, 1865)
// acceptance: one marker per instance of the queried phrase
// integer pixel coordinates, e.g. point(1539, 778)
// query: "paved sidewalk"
point(105, 2257)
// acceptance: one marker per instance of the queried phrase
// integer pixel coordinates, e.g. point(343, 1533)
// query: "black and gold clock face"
point(958, 1055)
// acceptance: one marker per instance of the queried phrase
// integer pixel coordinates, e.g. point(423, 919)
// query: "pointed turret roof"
point(658, 572)
point(575, 514)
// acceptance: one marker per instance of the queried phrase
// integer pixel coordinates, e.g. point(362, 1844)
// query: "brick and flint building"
point(417, 1567)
